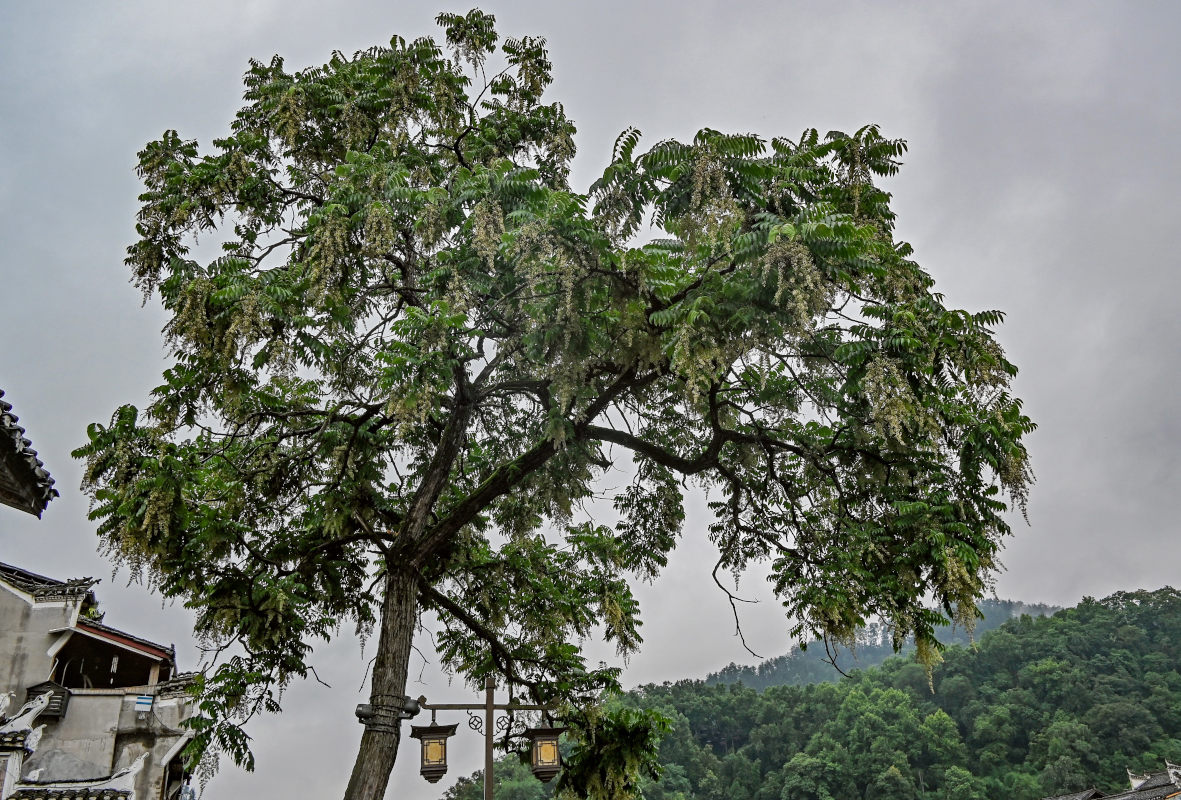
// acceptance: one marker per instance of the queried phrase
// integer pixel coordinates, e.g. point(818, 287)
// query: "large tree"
point(407, 351)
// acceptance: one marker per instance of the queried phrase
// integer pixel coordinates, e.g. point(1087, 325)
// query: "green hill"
point(1039, 706)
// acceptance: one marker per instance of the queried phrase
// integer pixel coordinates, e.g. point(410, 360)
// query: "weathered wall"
point(103, 733)
point(15, 614)
point(25, 640)
point(155, 732)
point(81, 745)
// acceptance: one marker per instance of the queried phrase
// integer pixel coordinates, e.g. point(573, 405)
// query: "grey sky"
point(1042, 179)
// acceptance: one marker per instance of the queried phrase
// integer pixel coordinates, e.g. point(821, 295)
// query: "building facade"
point(86, 710)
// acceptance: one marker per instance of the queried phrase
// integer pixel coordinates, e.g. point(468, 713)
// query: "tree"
point(892, 785)
point(514, 781)
point(822, 773)
point(960, 783)
point(418, 349)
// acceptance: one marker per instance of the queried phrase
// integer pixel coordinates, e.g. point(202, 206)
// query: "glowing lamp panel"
point(434, 752)
point(546, 753)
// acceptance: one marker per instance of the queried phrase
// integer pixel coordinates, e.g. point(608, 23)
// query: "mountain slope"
point(1040, 706)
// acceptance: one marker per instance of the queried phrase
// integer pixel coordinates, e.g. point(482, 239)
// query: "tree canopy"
point(406, 351)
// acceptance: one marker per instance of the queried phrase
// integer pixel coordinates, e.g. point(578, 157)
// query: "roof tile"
point(24, 482)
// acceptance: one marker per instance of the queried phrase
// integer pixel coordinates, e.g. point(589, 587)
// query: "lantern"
point(434, 749)
point(546, 760)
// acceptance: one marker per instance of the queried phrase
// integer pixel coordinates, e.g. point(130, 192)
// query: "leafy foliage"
point(612, 750)
point(406, 350)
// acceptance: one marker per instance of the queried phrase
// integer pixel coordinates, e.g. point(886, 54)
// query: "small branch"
point(425, 660)
point(831, 658)
point(734, 601)
point(365, 675)
point(316, 675)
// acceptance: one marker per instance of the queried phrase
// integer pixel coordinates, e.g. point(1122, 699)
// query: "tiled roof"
point(1157, 786)
point(24, 481)
point(42, 587)
point(123, 637)
point(179, 685)
point(1156, 780)
point(1148, 793)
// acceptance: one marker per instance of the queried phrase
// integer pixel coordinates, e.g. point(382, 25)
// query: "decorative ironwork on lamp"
point(547, 761)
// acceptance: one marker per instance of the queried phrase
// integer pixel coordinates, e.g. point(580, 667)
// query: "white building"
point(86, 710)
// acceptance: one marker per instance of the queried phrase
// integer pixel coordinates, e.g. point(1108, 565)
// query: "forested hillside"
point(1039, 706)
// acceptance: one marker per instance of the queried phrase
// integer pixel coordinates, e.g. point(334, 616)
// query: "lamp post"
point(544, 758)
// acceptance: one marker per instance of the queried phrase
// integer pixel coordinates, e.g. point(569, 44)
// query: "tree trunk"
point(379, 748)
point(399, 613)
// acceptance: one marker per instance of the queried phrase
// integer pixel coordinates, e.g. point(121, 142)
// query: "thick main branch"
point(509, 475)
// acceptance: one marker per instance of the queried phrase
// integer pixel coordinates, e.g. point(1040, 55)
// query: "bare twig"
point(734, 601)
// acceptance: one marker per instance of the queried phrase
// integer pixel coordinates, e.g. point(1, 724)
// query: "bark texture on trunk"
point(379, 748)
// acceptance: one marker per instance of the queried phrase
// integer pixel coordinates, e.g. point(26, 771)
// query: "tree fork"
point(379, 747)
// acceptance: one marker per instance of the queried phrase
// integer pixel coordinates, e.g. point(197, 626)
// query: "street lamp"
point(434, 748)
point(546, 760)
point(385, 716)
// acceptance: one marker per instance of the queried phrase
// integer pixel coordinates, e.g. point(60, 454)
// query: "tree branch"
point(734, 601)
point(506, 659)
point(686, 466)
point(509, 475)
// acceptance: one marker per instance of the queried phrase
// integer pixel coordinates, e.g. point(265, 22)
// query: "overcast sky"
point(1042, 179)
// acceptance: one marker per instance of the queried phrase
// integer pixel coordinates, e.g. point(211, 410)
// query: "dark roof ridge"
point(38, 585)
point(1085, 794)
point(68, 790)
point(21, 455)
point(1156, 780)
point(29, 574)
point(49, 792)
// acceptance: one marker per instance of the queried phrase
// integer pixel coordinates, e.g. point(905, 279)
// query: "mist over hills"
point(873, 645)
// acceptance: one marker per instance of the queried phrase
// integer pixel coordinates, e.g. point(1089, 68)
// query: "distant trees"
point(514, 781)
point(869, 647)
point(1040, 707)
